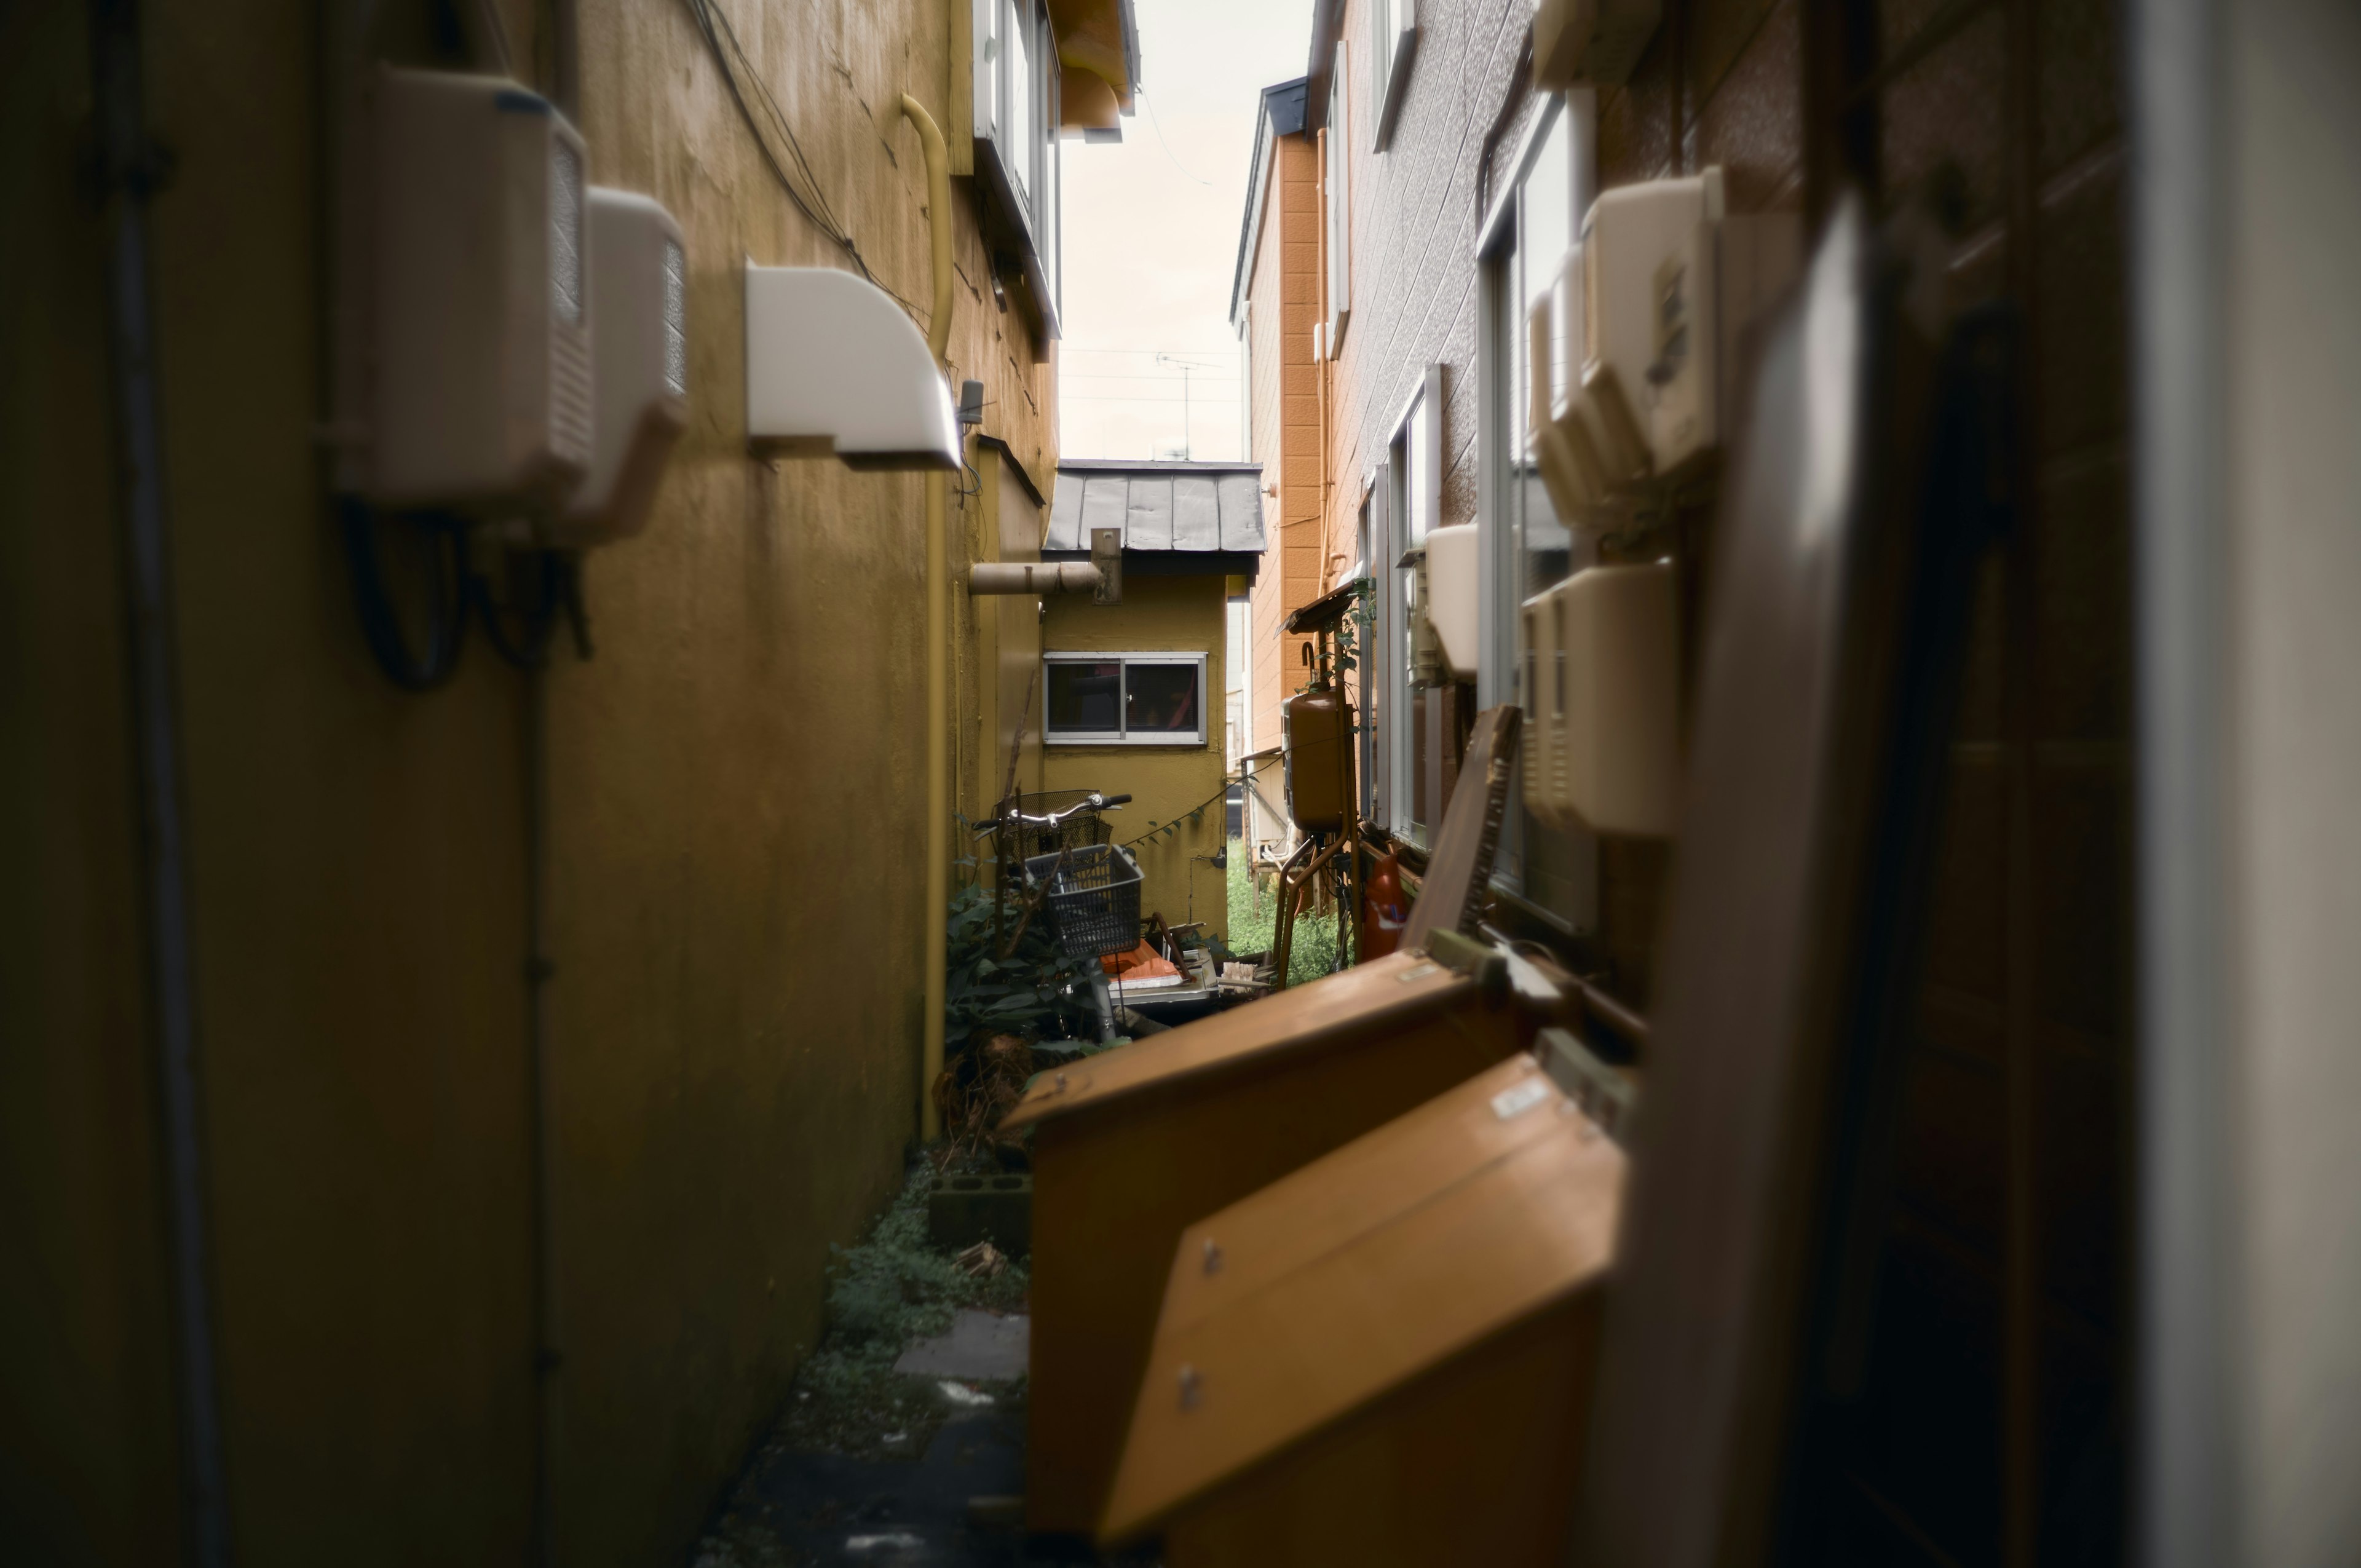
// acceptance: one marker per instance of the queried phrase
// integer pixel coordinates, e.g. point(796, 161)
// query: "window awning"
point(1195, 516)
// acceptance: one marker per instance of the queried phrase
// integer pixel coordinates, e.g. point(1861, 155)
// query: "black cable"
point(447, 617)
point(530, 652)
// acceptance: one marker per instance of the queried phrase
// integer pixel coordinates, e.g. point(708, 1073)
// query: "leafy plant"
point(1006, 975)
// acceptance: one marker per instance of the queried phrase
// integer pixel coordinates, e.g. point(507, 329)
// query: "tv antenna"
point(1185, 367)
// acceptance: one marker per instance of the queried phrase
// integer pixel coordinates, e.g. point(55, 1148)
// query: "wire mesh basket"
point(1016, 844)
point(1094, 897)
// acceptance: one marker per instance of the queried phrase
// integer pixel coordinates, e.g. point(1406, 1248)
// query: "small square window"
point(1135, 699)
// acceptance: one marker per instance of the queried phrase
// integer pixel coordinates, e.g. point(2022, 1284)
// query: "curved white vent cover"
point(834, 368)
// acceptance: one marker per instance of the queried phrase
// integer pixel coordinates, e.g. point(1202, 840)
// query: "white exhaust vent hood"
point(834, 368)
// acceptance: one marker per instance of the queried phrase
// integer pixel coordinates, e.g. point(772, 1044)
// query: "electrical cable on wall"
point(722, 39)
point(440, 539)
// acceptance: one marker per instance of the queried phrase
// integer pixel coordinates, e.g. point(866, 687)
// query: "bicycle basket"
point(1094, 897)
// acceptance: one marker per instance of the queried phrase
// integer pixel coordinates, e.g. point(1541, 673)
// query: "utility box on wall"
point(479, 317)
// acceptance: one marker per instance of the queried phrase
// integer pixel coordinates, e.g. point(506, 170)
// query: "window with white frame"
point(1393, 40)
point(1409, 739)
point(1525, 246)
point(1339, 215)
point(1125, 699)
point(1017, 115)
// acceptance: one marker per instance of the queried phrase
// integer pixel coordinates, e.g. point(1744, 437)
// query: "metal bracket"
point(1106, 555)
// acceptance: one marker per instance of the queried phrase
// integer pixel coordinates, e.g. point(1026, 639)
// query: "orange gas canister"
point(1384, 910)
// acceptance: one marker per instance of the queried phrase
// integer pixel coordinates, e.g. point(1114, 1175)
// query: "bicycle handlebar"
point(1096, 802)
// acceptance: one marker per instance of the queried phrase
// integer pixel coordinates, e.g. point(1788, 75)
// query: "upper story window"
point(1017, 156)
point(1339, 205)
point(1393, 40)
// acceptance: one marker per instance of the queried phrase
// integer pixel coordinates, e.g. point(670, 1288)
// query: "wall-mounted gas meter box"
point(1602, 680)
point(1668, 282)
point(638, 317)
point(1660, 287)
point(479, 394)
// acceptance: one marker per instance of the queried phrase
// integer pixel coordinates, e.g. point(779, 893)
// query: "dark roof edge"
point(1149, 465)
point(1327, 27)
point(1271, 118)
point(1008, 452)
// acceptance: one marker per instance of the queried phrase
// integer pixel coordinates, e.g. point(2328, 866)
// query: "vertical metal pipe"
point(2021, 1285)
point(539, 969)
point(565, 90)
point(2186, 1491)
point(939, 803)
point(130, 166)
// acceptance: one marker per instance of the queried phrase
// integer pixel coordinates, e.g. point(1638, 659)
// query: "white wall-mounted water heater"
point(638, 317)
point(479, 297)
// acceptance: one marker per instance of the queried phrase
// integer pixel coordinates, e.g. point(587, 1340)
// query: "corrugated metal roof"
point(1181, 507)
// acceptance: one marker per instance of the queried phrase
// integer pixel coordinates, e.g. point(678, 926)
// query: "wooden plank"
point(1460, 869)
point(1313, 1331)
point(1830, 675)
point(1133, 1146)
point(1196, 513)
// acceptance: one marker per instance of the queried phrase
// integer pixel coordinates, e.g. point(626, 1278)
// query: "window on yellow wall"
point(1125, 699)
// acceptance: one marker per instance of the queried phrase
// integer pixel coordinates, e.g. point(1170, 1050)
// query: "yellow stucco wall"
point(997, 703)
point(734, 826)
point(1182, 614)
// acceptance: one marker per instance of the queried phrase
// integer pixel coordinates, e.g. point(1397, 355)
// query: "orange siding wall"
point(1283, 291)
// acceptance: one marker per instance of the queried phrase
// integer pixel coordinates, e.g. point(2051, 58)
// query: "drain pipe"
point(132, 171)
point(939, 632)
point(540, 970)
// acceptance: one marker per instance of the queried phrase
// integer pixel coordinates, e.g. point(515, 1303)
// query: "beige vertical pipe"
point(938, 634)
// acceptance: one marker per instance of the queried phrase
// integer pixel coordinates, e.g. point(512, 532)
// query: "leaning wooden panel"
point(1131, 1146)
point(1385, 1358)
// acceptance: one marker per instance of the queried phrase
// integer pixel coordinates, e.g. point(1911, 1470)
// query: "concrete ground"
point(952, 1503)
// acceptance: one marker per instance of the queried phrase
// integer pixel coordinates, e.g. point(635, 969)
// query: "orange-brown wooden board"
point(1134, 1145)
point(1384, 1358)
point(1460, 872)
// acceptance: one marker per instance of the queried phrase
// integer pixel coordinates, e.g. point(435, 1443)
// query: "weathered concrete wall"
point(1182, 614)
point(734, 823)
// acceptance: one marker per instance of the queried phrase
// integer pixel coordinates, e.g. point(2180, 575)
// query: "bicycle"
point(1061, 860)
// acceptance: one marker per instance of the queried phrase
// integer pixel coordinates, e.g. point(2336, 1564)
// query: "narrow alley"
point(1179, 783)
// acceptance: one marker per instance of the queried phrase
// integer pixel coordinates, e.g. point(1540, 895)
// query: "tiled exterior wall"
point(1283, 295)
point(1993, 1424)
point(1413, 294)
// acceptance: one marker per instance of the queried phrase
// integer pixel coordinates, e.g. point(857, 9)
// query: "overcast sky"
point(1152, 232)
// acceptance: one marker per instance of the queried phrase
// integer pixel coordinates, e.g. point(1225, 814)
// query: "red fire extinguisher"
point(1384, 910)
